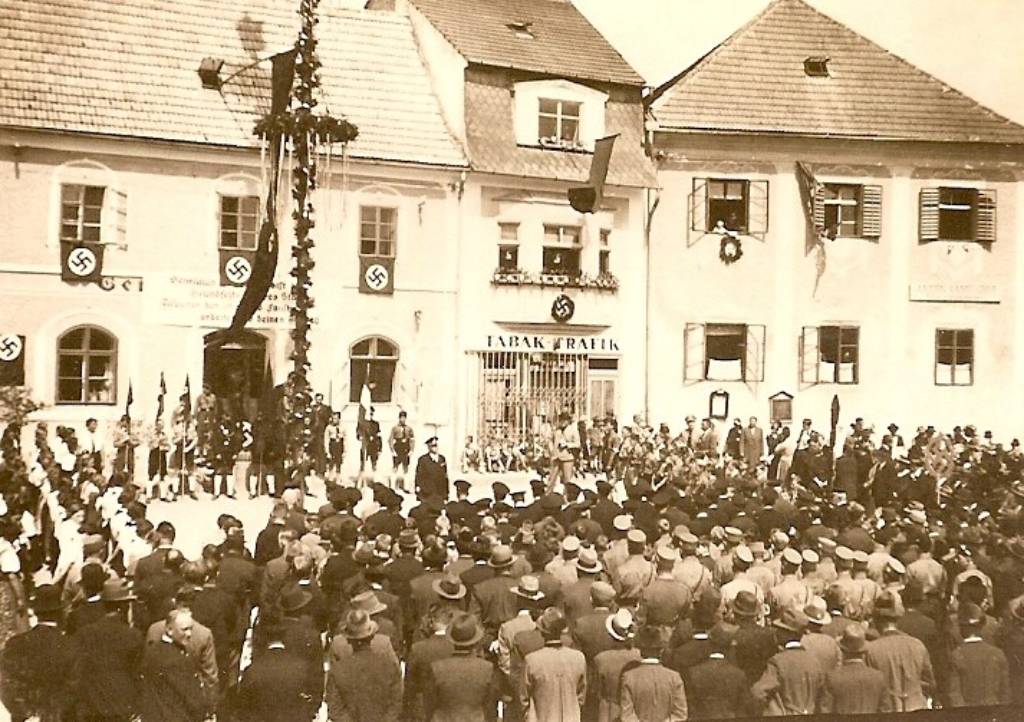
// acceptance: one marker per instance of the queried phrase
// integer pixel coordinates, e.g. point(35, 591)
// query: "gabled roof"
point(128, 68)
point(755, 82)
point(564, 43)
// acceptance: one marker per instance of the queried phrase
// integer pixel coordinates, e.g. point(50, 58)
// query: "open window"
point(830, 355)
point(957, 214)
point(562, 249)
point(954, 357)
point(724, 352)
point(508, 248)
point(732, 204)
point(372, 361)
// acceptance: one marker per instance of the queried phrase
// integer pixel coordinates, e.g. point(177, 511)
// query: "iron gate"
point(516, 388)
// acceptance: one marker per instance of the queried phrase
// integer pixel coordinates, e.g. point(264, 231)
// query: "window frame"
point(79, 203)
point(840, 345)
point(956, 349)
point(573, 246)
point(559, 117)
point(715, 329)
point(743, 202)
point(87, 353)
point(835, 201)
point(373, 357)
point(947, 207)
point(377, 224)
point(221, 213)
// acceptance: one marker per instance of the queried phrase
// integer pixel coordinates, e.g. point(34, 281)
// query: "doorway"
point(234, 369)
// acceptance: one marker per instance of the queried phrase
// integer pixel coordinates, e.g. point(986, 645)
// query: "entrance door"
point(234, 367)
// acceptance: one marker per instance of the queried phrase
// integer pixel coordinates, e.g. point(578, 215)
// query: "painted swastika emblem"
point(563, 308)
point(81, 261)
point(10, 348)
point(376, 277)
point(238, 269)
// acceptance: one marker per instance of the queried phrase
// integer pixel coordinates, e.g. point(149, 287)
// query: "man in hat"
point(606, 668)
point(576, 597)
point(649, 690)
point(364, 681)
point(463, 686)
point(743, 558)
point(90, 608)
point(854, 688)
point(979, 673)
point(689, 570)
point(664, 600)
point(605, 509)
point(492, 600)
point(401, 441)
point(461, 511)
point(902, 659)
point(563, 566)
point(171, 688)
point(388, 519)
point(432, 473)
point(451, 592)
point(636, 564)
point(105, 660)
point(555, 676)
point(423, 653)
point(275, 685)
point(823, 646)
point(530, 602)
point(401, 571)
point(589, 631)
point(35, 666)
point(791, 591)
point(793, 680)
point(716, 688)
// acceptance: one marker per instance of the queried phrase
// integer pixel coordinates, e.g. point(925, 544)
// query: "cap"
point(570, 544)
point(896, 566)
point(792, 619)
point(826, 544)
point(636, 536)
point(602, 594)
point(667, 553)
point(810, 556)
point(844, 554)
point(792, 556)
point(733, 534)
point(744, 554)
point(623, 522)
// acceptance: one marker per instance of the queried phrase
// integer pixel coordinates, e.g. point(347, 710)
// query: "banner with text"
point(182, 300)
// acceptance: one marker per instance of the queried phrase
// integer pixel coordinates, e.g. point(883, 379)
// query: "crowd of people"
point(646, 575)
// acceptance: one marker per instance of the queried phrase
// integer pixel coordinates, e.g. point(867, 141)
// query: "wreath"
point(730, 250)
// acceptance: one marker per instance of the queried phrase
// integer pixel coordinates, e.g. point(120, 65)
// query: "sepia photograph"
point(511, 360)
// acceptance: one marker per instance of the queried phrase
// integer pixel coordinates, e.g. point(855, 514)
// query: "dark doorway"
point(234, 366)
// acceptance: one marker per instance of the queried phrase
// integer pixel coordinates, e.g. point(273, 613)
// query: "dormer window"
point(816, 66)
point(521, 29)
point(558, 123)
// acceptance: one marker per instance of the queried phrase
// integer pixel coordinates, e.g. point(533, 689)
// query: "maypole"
point(306, 131)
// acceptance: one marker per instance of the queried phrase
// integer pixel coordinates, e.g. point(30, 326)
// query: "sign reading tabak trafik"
point(552, 344)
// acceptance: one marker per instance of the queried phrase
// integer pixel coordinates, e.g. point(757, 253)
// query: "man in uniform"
point(400, 441)
point(432, 473)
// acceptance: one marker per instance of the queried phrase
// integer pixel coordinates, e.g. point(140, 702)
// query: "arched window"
point(372, 361)
point(86, 367)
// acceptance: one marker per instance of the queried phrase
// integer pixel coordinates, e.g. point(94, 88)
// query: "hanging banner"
point(235, 266)
point(376, 274)
point(183, 300)
point(12, 359)
point(81, 262)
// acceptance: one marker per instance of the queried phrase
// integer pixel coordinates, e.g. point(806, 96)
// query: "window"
point(738, 205)
point(830, 355)
point(602, 376)
point(816, 67)
point(508, 250)
point(954, 357)
point(372, 362)
point(81, 213)
point(86, 367)
point(604, 256)
point(842, 203)
point(377, 231)
point(957, 214)
point(239, 222)
point(558, 122)
point(562, 250)
point(724, 352)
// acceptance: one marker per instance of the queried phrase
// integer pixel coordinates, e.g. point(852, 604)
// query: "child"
point(470, 456)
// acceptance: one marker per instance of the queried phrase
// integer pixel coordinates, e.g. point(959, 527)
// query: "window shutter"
point(699, 205)
point(819, 206)
point(693, 352)
point(871, 211)
point(985, 217)
point(757, 209)
point(753, 369)
point(928, 215)
point(115, 217)
point(809, 355)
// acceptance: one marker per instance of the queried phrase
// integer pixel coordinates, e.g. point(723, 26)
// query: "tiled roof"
point(128, 68)
point(491, 142)
point(755, 81)
point(564, 42)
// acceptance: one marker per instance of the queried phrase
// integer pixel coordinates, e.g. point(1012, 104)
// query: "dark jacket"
point(417, 674)
point(171, 689)
point(979, 675)
point(274, 689)
point(267, 544)
point(855, 688)
point(83, 614)
point(34, 671)
point(432, 477)
point(106, 656)
point(462, 688)
point(364, 685)
point(792, 683)
point(717, 689)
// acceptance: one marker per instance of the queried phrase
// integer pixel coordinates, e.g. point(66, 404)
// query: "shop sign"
point(955, 292)
point(551, 344)
point(183, 300)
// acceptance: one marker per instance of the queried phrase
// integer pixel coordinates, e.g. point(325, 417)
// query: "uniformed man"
point(432, 473)
point(791, 591)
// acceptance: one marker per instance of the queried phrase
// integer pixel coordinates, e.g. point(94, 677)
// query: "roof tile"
point(755, 82)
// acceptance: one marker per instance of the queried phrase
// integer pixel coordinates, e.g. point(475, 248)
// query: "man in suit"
point(649, 690)
point(423, 654)
point(902, 659)
point(35, 665)
point(463, 687)
point(716, 688)
point(94, 576)
point(555, 676)
point(105, 661)
point(432, 473)
point(274, 686)
point(171, 689)
point(199, 643)
point(606, 669)
point(153, 563)
point(493, 600)
point(793, 680)
point(364, 681)
point(753, 443)
point(979, 673)
point(853, 687)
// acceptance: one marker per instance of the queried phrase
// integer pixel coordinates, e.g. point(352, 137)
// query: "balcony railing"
point(517, 277)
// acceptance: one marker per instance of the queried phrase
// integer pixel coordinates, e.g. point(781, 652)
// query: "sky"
point(971, 45)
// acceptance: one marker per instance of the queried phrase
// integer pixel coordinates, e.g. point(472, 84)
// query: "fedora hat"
point(620, 625)
point(368, 602)
point(745, 605)
point(449, 587)
point(46, 599)
point(359, 625)
point(588, 561)
point(295, 598)
point(817, 612)
point(464, 631)
point(793, 620)
point(117, 590)
point(408, 539)
point(528, 588)
point(552, 623)
point(501, 557)
point(853, 640)
point(888, 605)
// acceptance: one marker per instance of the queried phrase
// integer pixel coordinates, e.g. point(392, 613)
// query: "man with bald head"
point(171, 688)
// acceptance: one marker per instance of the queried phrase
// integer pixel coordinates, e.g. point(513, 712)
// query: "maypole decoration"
point(306, 131)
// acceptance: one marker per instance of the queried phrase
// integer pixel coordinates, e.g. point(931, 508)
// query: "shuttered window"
point(848, 210)
point(731, 204)
point(724, 352)
point(830, 355)
point(957, 214)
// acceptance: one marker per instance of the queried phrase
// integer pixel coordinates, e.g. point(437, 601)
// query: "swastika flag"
point(81, 262)
point(236, 266)
point(376, 274)
point(12, 359)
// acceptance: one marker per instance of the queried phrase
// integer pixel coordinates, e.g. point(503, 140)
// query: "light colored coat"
point(555, 684)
